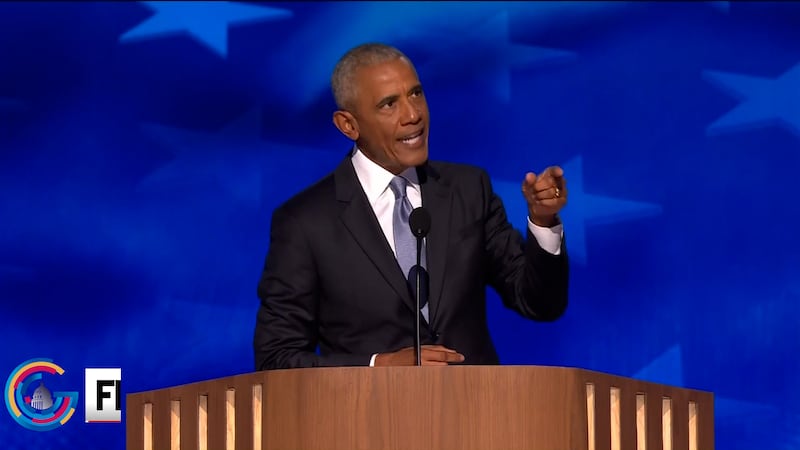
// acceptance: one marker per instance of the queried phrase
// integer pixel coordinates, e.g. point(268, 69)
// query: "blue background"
point(144, 146)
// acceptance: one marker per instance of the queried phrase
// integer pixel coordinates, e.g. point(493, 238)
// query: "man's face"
point(391, 115)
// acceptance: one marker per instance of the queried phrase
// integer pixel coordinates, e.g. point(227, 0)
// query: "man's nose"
point(410, 112)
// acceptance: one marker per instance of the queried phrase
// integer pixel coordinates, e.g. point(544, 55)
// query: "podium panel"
point(436, 408)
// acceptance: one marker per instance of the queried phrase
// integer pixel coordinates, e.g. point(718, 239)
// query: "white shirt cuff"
point(372, 360)
point(548, 238)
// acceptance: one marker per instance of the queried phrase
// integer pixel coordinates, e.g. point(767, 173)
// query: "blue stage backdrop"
point(144, 145)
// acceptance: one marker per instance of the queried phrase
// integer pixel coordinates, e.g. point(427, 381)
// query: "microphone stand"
point(420, 223)
point(417, 340)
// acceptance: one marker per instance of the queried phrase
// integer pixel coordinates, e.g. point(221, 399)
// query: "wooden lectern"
point(418, 408)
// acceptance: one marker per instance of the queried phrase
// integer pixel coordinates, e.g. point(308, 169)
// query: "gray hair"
point(342, 83)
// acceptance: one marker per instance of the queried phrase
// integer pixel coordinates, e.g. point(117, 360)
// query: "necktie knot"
point(398, 186)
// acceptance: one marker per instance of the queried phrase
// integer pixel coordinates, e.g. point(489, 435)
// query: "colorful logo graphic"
point(41, 410)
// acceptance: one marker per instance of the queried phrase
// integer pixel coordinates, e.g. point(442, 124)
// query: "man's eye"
point(387, 105)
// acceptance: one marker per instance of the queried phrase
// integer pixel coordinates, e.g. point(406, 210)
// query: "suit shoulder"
point(450, 170)
point(311, 198)
point(459, 174)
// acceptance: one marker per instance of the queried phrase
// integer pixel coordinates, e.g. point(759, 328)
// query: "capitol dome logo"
point(31, 403)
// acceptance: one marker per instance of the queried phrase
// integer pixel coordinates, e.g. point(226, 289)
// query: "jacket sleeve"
point(286, 331)
point(529, 280)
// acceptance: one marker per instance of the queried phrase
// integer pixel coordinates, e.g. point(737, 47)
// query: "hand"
point(431, 355)
point(546, 194)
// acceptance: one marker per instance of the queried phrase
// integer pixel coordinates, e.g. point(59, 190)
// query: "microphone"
point(420, 223)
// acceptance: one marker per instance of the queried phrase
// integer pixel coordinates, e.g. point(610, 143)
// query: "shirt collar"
point(375, 179)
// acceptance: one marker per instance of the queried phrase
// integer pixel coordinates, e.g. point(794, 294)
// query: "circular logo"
point(31, 403)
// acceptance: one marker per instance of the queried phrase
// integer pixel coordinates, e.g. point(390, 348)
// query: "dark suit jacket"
point(331, 280)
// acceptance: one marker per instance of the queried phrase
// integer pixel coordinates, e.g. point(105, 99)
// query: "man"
point(336, 275)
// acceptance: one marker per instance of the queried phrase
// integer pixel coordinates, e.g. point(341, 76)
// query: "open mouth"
point(413, 139)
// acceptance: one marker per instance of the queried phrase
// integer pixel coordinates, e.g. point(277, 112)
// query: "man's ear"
point(347, 124)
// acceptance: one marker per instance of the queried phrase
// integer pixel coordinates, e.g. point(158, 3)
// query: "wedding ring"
point(558, 192)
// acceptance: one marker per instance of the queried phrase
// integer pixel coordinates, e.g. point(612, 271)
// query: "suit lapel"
point(437, 199)
point(360, 220)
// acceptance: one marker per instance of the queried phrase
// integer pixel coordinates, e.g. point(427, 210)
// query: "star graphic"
point(583, 208)
point(420, 29)
point(667, 368)
point(229, 158)
point(755, 422)
point(764, 101)
point(207, 22)
point(486, 52)
point(236, 159)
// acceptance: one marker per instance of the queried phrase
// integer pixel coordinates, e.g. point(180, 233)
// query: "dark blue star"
point(583, 208)
point(486, 52)
point(434, 29)
point(667, 368)
point(764, 101)
point(236, 159)
point(207, 22)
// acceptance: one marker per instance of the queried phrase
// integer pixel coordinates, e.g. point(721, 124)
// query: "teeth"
point(412, 138)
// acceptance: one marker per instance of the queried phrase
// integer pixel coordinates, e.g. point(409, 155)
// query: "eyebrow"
point(393, 98)
point(389, 99)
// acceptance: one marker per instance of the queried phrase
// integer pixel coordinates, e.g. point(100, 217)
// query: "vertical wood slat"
point(641, 421)
point(230, 419)
point(175, 425)
point(615, 413)
point(147, 429)
point(693, 426)
point(202, 422)
point(258, 392)
point(666, 423)
point(590, 415)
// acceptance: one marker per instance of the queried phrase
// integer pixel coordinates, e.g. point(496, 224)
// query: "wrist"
point(547, 221)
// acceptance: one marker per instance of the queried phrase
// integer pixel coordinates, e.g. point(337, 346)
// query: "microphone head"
point(420, 222)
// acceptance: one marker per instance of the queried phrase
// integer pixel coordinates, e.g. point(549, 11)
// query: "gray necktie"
point(405, 243)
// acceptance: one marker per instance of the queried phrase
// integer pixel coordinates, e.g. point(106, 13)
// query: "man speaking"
point(339, 285)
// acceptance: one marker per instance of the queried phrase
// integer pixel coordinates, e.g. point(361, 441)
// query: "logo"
point(103, 395)
point(39, 410)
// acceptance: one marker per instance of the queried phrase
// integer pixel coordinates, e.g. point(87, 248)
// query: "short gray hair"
point(342, 83)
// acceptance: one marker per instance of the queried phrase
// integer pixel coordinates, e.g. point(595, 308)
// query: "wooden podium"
point(418, 408)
